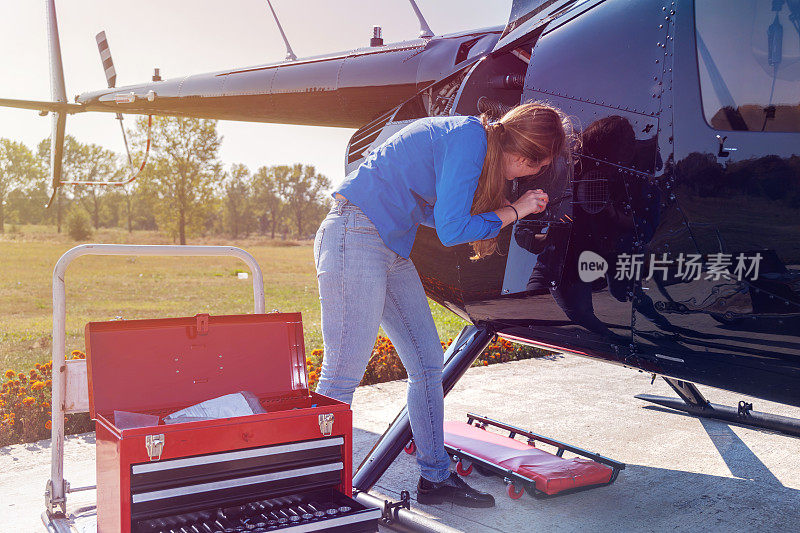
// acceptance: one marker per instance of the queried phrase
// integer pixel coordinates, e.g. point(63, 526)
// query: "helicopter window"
point(749, 57)
point(524, 10)
point(434, 101)
point(463, 50)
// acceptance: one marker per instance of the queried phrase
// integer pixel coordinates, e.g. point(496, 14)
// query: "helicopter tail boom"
point(341, 90)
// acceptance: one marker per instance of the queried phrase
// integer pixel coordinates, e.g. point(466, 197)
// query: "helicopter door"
point(731, 300)
point(614, 91)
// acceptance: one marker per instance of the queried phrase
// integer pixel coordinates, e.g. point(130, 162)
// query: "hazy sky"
point(193, 36)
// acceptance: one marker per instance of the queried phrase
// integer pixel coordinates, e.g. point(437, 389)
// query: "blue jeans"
point(364, 284)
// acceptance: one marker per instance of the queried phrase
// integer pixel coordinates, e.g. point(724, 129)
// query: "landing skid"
point(693, 402)
point(459, 357)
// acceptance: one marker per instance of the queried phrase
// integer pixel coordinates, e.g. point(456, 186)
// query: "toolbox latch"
point(202, 323)
point(326, 424)
point(155, 446)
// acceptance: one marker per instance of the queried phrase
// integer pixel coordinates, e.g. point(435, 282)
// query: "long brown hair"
point(536, 131)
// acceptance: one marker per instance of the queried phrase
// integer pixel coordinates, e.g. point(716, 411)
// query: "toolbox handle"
point(56, 498)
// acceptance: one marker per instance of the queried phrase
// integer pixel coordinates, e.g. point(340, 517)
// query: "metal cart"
point(70, 384)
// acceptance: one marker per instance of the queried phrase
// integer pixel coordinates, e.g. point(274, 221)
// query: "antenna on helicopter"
point(425, 31)
point(289, 53)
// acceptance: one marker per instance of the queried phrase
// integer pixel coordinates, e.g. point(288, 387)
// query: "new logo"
point(591, 266)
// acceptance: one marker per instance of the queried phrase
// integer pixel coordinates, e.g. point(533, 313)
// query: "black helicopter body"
point(690, 115)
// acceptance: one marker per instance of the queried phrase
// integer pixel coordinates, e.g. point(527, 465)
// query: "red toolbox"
point(288, 468)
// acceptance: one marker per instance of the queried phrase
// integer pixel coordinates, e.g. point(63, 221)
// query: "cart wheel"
point(410, 448)
point(512, 492)
point(463, 471)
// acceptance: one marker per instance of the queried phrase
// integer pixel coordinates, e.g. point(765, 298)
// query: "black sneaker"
point(453, 489)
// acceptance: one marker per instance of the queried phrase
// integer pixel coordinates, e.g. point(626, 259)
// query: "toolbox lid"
point(150, 365)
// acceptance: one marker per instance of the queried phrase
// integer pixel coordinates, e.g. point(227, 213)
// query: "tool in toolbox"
point(287, 468)
point(522, 465)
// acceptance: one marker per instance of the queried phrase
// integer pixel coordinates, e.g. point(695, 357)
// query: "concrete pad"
point(683, 473)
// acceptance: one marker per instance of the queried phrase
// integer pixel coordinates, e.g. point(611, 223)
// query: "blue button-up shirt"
point(426, 173)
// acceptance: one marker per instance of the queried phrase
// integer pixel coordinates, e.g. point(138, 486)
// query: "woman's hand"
point(531, 202)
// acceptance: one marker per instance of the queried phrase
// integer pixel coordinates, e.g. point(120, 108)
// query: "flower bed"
point(25, 406)
point(385, 365)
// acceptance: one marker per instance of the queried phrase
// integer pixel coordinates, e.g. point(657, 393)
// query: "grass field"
point(103, 288)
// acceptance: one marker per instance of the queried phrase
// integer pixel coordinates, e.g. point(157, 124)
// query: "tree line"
point(184, 190)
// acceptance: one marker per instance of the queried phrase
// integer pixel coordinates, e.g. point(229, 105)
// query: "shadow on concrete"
point(643, 496)
point(88, 438)
point(37, 446)
point(738, 457)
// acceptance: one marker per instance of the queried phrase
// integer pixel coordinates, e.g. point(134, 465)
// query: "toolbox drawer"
point(234, 464)
point(322, 510)
point(193, 483)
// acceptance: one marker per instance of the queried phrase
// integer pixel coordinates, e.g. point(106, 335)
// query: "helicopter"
point(670, 243)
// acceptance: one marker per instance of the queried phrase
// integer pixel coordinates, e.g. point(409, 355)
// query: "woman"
point(445, 172)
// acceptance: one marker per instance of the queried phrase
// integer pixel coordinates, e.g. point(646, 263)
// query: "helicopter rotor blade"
point(105, 57)
point(58, 93)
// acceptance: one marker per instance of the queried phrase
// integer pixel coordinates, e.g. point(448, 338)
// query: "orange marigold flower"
point(38, 366)
point(48, 425)
point(486, 363)
point(48, 383)
point(10, 374)
point(29, 400)
point(37, 385)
